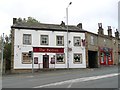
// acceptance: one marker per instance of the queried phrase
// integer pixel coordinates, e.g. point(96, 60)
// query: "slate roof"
point(49, 27)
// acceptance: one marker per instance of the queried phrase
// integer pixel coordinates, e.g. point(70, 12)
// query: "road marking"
point(70, 82)
point(69, 86)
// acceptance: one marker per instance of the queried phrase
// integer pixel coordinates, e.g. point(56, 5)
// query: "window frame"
point(29, 40)
point(79, 40)
point(41, 36)
point(57, 40)
point(92, 40)
point(81, 60)
point(63, 62)
point(27, 61)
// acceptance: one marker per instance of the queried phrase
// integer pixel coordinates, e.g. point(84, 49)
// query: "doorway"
point(45, 61)
point(92, 59)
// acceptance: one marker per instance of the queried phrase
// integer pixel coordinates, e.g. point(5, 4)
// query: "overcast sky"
point(88, 12)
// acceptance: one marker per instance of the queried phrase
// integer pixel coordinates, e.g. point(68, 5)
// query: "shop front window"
point(26, 59)
point(60, 58)
point(77, 58)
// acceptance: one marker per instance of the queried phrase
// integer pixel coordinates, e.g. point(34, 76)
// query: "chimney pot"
point(117, 34)
point(109, 31)
point(100, 25)
point(109, 27)
point(100, 29)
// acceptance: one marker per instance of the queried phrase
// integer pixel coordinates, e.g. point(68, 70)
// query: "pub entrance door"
point(45, 61)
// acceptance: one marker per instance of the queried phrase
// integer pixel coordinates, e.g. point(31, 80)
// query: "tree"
point(7, 52)
point(29, 20)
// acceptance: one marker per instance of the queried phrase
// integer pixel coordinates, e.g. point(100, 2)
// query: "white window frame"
point(63, 57)
point(62, 40)
point(43, 37)
point(27, 39)
point(25, 58)
point(76, 61)
point(77, 41)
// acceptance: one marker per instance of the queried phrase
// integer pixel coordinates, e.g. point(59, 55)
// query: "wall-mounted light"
point(69, 41)
point(18, 46)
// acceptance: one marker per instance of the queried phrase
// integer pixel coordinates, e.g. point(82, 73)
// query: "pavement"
point(40, 72)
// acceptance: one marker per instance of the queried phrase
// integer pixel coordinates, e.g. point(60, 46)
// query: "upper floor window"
point(60, 40)
point(44, 39)
point(92, 40)
point(77, 41)
point(105, 41)
point(27, 39)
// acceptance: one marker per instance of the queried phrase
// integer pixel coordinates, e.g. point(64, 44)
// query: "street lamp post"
point(67, 34)
point(2, 54)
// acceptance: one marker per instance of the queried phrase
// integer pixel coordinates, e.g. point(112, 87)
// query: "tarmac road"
point(103, 77)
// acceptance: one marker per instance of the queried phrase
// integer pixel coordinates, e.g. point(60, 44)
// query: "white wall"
point(77, 50)
point(19, 48)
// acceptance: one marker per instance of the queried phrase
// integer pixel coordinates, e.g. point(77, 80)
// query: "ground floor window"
point(26, 59)
point(60, 58)
point(77, 58)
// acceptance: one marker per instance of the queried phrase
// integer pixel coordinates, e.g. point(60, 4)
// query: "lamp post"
point(67, 34)
point(2, 54)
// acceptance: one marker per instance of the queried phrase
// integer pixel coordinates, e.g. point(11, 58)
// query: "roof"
point(48, 27)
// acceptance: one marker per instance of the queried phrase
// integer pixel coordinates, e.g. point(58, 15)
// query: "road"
point(103, 77)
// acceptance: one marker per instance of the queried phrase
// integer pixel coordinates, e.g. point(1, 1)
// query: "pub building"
point(48, 42)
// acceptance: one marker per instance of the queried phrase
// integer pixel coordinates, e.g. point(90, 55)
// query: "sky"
point(87, 12)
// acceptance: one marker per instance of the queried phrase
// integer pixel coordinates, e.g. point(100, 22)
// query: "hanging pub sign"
point(83, 42)
point(35, 60)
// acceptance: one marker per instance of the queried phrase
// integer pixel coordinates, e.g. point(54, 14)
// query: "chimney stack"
point(117, 34)
point(62, 24)
point(79, 25)
point(14, 21)
point(109, 31)
point(100, 30)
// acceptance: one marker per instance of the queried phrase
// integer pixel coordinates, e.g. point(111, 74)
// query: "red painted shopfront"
point(105, 56)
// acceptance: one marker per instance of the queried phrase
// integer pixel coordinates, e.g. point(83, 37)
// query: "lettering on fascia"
point(40, 49)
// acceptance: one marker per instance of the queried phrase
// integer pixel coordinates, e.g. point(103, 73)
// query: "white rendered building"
point(49, 45)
